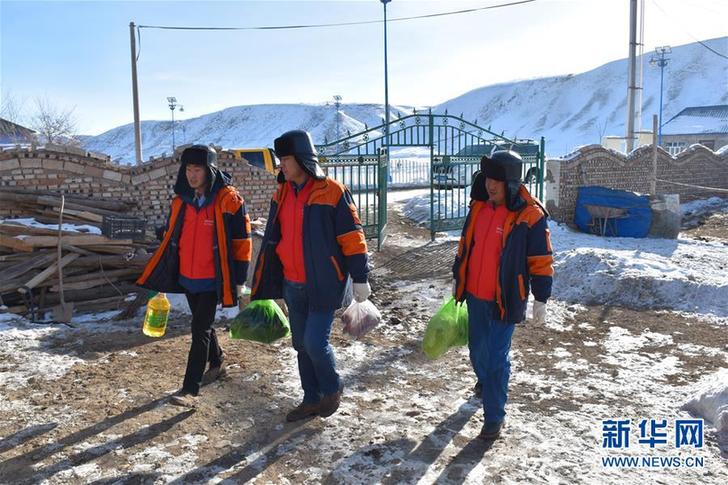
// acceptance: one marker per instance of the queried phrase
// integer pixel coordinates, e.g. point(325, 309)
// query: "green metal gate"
point(455, 146)
point(361, 174)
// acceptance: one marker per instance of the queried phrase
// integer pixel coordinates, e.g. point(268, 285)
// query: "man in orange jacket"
point(313, 244)
point(205, 254)
point(504, 250)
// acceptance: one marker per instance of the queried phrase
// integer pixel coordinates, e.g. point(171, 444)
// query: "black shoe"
point(478, 390)
point(329, 404)
point(213, 374)
point(490, 431)
point(302, 411)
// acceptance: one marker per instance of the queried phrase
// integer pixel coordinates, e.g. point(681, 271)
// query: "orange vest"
point(196, 257)
point(290, 248)
point(482, 271)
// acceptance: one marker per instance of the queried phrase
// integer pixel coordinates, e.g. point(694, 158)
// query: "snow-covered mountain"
point(569, 110)
point(574, 110)
point(241, 127)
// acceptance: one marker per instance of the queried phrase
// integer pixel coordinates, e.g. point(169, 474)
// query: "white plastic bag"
point(359, 318)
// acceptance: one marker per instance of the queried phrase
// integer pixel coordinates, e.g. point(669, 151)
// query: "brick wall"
point(596, 165)
point(149, 186)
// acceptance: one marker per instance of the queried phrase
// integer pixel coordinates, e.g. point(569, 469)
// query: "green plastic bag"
point(447, 328)
point(260, 321)
point(461, 337)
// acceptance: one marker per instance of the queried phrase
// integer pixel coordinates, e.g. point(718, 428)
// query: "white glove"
point(539, 313)
point(362, 291)
point(454, 287)
point(243, 296)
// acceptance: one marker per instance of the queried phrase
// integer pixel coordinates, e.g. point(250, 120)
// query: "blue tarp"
point(628, 214)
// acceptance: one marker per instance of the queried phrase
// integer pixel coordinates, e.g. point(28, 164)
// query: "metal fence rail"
point(360, 175)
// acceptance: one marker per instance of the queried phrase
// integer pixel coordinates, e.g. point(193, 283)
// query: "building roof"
point(697, 120)
point(14, 133)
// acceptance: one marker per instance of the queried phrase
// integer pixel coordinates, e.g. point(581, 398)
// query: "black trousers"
point(205, 347)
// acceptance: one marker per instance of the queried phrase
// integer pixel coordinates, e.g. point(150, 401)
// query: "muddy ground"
point(403, 417)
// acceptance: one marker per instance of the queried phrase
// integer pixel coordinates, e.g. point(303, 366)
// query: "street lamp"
point(172, 105)
point(386, 80)
point(384, 175)
point(184, 127)
point(660, 61)
point(337, 103)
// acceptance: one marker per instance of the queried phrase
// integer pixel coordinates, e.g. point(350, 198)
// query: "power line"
point(691, 35)
point(340, 24)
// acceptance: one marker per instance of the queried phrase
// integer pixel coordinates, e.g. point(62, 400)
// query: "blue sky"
point(76, 54)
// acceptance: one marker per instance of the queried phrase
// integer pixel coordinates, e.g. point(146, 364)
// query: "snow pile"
point(683, 274)
point(710, 402)
point(694, 212)
point(448, 204)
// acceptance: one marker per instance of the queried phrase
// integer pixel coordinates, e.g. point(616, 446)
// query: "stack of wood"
point(45, 206)
point(98, 272)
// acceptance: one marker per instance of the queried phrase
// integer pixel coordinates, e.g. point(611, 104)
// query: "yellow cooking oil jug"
point(155, 319)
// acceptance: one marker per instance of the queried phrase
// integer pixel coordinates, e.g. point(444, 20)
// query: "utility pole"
point(661, 61)
point(653, 182)
point(135, 95)
point(631, 87)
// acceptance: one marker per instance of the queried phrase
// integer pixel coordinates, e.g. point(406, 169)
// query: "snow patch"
point(24, 354)
point(710, 402)
point(31, 222)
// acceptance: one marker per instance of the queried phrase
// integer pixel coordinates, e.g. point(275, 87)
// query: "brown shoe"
point(184, 399)
point(213, 374)
point(302, 411)
point(329, 404)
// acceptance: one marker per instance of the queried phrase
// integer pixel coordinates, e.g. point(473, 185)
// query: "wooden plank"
point(22, 267)
point(16, 244)
point(108, 249)
point(51, 201)
point(80, 240)
point(100, 304)
point(10, 229)
point(86, 276)
point(100, 202)
point(46, 273)
point(111, 261)
point(85, 217)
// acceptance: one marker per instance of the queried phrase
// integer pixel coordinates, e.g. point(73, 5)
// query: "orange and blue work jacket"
point(182, 262)
point(290, 249)
point(332, 241)
point(526, 260)
point(485, 257)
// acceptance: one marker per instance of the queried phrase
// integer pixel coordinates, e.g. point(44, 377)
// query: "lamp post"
point(386, 79)
point(172, 105)
point(184, 128)
point(661, 61)
point(384, 161)
point(337, 103)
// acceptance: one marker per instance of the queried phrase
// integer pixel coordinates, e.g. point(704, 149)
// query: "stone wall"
point(149, 186)
point(596, 165)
